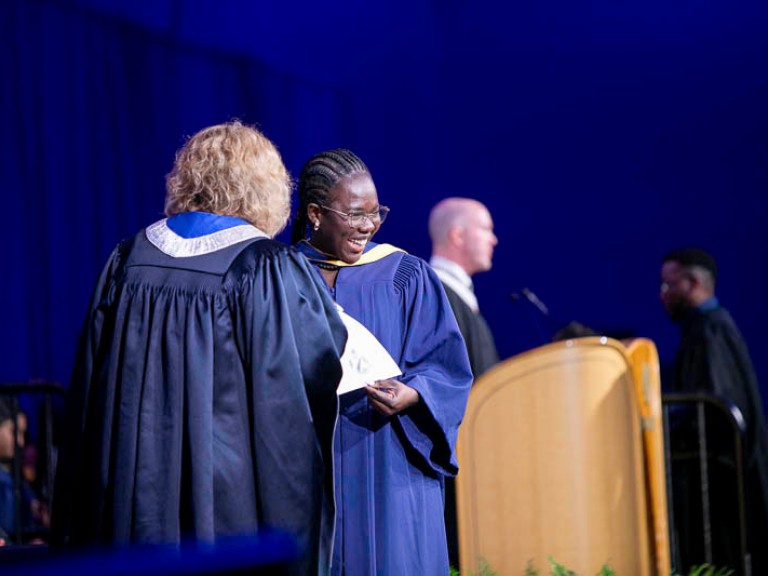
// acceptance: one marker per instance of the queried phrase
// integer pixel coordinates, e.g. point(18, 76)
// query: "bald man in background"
point(462, 236)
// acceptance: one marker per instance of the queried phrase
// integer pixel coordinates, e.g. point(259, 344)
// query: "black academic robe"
point(482, 356)
point(203, 402)
point(713, 358)
point(477, 336)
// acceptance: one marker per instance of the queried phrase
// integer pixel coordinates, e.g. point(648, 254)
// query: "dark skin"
point(353, 194)
point(682, 289)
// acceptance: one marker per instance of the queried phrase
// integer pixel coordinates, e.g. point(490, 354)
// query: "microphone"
point(571, 330)
point(527, 294)
point(532, 298)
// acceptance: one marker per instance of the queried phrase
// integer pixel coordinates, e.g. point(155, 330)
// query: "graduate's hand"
point(391, 396)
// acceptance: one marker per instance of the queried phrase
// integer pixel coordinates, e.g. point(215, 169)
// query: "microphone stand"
point(534, 300)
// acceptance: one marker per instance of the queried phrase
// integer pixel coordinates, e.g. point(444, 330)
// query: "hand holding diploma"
point(364, 361)
point(391, 396)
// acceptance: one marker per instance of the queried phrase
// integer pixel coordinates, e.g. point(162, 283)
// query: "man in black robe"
point(462, 236)
point(713, 358)
point(203, 400)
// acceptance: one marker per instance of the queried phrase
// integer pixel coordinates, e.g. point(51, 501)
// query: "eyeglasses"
point(667, 286)
point(357, 219)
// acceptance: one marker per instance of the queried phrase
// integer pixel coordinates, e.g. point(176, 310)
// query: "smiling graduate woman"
point(395, 439)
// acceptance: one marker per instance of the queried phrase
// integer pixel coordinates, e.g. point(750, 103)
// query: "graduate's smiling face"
point(353, 195)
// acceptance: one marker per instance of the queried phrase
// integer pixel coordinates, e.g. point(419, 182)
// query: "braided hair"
point(321, 173)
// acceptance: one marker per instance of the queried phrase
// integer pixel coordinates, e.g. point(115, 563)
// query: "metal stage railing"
point(37, 389)
point(703, 445)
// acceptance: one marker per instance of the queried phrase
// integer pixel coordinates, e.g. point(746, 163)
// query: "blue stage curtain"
point(557, 115)
point(92, 110)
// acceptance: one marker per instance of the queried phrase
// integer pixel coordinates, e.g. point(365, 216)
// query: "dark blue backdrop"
point(600, 135)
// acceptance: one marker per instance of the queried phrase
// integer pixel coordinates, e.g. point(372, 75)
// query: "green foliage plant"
point(708, 570)
point(483, 569)
point(557, 569)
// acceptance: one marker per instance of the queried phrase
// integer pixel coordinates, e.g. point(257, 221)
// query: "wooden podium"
point(552, 464)
point(645, 367)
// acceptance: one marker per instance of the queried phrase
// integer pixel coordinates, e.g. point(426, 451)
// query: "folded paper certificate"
point(364, 359)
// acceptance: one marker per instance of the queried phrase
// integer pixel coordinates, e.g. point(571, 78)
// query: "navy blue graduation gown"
point(203, 400)
point(390, 470)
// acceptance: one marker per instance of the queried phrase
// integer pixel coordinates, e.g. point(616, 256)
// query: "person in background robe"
point(203, 399)
point(713, 358)
point(395, 439)
point(462, 236)
point(17, 491)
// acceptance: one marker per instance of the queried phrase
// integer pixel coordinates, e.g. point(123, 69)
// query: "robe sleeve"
point(74, 439)
point(294, 344)
point(435, 364)
point(730, 375)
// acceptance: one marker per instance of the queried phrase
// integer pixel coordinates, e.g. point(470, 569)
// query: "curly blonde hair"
point(233, 170)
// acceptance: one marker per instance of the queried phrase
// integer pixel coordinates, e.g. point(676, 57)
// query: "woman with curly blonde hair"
point(233, 170)
point(203, 400)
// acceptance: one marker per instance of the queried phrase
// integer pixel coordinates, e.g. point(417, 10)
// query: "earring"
point(317, 226)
